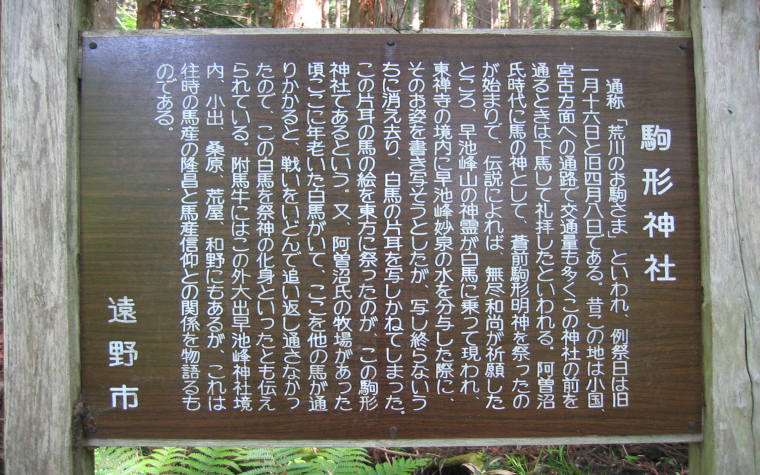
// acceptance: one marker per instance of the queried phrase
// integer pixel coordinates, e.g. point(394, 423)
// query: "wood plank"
point(131, 193)
point(726, 35)
point(590, 440)
point(39, 157)
point(377, 31)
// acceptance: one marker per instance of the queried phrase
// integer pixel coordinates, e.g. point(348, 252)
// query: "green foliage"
point(246, 461)
point(117, 460)
point(208, 460)
point(161, 461)
point(340, 460)
point(126, 15)
point(558, 460)
point(274, 461)
point(399, 466)
point(216, 13)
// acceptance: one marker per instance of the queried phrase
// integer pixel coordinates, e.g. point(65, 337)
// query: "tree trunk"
point(296, 14)
point(495, 13)
point(595, 14)
point(438, 14)
point(644, 14)
point(374, 14)
point(149, 14)
point(325, 13)
point(460, 15)
point(481, 14)
point(415, 15)
point(556, 14)
point(514, 14)
point(681, 15)
point(526, 19)
point(338, 12)
point(104, 15)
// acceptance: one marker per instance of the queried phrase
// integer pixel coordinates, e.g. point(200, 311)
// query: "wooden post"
point(40, 133)
point(726, 34)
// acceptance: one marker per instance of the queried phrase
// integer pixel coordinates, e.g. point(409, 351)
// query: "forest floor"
point(618, 459)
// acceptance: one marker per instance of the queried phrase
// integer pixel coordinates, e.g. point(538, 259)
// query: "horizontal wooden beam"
point(382, 31)
point(590, 440)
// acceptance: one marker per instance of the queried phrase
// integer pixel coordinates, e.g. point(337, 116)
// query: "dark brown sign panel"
point(369, 236)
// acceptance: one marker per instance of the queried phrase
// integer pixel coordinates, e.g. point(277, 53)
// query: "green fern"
point(399, 466)
point(117, 460)
point(340, 460)
point(163, 460)
point(275, 461)
point(211, 460)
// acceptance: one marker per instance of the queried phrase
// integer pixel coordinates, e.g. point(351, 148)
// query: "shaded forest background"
point(653, 15)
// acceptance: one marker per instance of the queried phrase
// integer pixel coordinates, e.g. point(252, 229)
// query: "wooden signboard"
point(304, 237)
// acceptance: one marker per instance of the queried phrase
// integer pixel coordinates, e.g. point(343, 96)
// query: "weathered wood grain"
point(129, 197)
point(39, 159)
point(371, 31)
point(726, 35)
point(589, 440)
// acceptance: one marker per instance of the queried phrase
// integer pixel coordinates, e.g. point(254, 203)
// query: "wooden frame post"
point(40, 147)
point(726, 39)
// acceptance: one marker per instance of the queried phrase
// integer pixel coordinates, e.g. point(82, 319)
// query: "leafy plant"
point(208, 460)
point(398, 466)
point(246, 461)
point(117, 460)
point(274, 461)
point(340, 460)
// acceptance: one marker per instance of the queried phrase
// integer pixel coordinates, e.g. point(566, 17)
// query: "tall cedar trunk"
point(104, 15)
point(681, 15)
point(438, 14)
point(556, 14)
point(514, 14)
point(481, 14)
point(415, 15)
point(495, 13)
point(296, 14)
point(526, 18)
point(338, 12)
point(149, 14)
point(644, 15)
point(375, 14)
point(460, 14)
point(325, 5)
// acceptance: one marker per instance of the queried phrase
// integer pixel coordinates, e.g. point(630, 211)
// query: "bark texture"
point(439, 14)
point(149, 14)
point(647, 15)
point(296, 14)
point(375, 14)
point(104, 15)
point(481, 14)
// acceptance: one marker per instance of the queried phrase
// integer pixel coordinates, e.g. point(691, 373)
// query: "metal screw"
point(93, 45)
point(692, 425)
point(393, 432)
point(683, 46)
point(391, 42)
point(92, 430)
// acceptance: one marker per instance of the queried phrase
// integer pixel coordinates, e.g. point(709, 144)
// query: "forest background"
point(653, 15)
